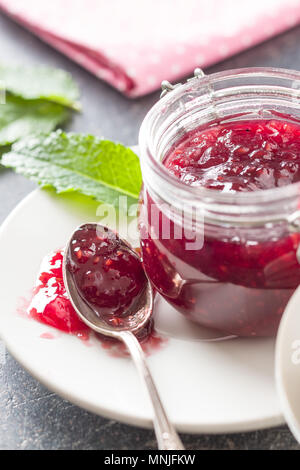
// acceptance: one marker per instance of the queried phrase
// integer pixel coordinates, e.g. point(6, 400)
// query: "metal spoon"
point(166, 434)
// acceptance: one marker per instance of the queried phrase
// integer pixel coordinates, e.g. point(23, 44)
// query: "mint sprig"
point(76, 162)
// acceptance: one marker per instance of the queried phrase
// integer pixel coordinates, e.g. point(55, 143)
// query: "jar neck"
point(244, 94)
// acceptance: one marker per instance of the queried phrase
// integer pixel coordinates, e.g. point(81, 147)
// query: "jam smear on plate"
point(50, 305)
point(241, 279)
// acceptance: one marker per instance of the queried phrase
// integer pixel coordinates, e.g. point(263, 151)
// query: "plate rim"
point(279, 363)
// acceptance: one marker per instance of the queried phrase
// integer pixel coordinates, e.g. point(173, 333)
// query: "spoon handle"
point(166, 434)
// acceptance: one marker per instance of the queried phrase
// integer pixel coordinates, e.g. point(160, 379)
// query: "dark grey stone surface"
point(31, 417)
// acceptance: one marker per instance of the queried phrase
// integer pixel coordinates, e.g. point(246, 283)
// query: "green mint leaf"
point(40, 82)
point(76, 162)
point(19, 118)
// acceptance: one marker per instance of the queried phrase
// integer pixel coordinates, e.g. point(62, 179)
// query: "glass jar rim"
point(207, 196)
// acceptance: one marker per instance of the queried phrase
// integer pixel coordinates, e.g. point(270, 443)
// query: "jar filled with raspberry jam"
point(219, 216)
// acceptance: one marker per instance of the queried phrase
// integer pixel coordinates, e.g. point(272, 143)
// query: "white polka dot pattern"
point(135, 44)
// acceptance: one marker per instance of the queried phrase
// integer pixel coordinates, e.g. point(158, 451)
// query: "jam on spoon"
point(108, 273)
point(130, 301)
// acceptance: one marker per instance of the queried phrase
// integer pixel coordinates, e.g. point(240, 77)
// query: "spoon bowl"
point(132, 321)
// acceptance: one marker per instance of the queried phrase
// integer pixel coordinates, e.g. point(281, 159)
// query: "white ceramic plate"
point(207, 386)
point(287, 364)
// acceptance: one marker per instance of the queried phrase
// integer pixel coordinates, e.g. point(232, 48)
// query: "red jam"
point(109, 276)
point(50, 305)
point(238, 156)
point(241, 279)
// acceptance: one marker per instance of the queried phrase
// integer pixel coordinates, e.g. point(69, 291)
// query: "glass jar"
point(226, 261)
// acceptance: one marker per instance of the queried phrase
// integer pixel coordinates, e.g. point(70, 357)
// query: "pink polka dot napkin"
point(135, 44)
